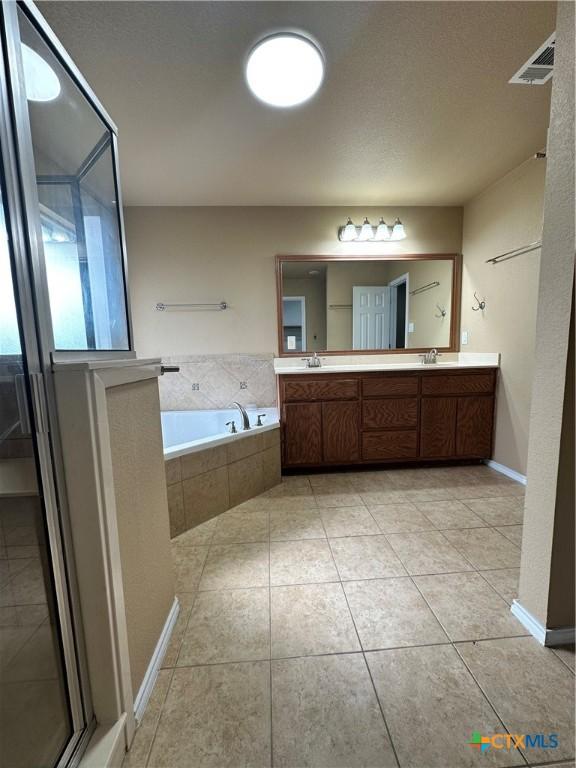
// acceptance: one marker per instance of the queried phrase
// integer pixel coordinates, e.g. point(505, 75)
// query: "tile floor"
point(356, 619)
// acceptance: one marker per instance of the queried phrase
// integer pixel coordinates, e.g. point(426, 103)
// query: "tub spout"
point(245, 419)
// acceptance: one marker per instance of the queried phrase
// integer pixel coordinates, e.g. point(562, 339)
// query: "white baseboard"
point(141, 700)
point(502, 468)
point(547, 637)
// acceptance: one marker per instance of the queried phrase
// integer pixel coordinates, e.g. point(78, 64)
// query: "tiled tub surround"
point(206, 481)
point(215, 381)
point(356, 619)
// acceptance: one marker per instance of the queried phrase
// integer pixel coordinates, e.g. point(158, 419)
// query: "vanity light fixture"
point(368, 234)
point(285, 69)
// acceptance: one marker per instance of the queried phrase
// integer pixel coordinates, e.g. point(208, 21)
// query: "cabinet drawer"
point(390, 385)
point(389, 413)
point(320, 389)
point(401, 444)
point(458, 384)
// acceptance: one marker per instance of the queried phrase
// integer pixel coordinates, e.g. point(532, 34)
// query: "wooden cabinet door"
point(340, 432)
point(438, 427)
point(302, 433)
point(474, 426)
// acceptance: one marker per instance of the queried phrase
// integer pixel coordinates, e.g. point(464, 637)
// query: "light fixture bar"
point(366, 233)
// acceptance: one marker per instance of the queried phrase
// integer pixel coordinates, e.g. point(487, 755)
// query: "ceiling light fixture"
point(284, 70)
point(350, 233)
point(41, 81)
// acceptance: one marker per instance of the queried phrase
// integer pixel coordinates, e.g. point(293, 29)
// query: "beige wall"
point(314, 291)
point(210, 254)
point(142, 514)
point(547, 569)
point(505, 216)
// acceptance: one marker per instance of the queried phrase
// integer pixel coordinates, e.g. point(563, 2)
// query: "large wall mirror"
point(368, 304)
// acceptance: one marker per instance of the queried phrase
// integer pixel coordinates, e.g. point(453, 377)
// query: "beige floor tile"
point(566, 654)
point(450, 514)
point(171, 656)
point(330, 499)
point(137, 755)
point(311, 619)
point(424, 553)
point(200, 535)
point(300, 524)
point(504, 581)
point(279, 503)
point(348, 521)
point(418, 495)
point(485, 548)
point(400, 518)
point(331, 481)
point(374, 498)
point(188, 564)
point(215, 717)
point(227, 626)
point(467, 607)
point(389, 613)
point(513, 533)
point(290, 486)
point(301, 562)
point(508, 510)
point(237, 527)
point(365, 557)
point(432, 705)
point(325, 713)
point(529, 687)
point(230, 566)
point(487, 491)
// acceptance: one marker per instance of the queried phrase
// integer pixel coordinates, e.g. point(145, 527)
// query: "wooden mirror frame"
point(455, 258)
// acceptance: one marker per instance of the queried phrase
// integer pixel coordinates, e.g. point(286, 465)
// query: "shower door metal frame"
point(31, 287)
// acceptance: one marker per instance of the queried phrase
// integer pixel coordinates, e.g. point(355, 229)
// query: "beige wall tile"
point(205, 496)
point(196, 463)
point(271, 467)
point(271, 438)
point(176, 510)
point(245, 446)
point(173, 471)
point(245, 479)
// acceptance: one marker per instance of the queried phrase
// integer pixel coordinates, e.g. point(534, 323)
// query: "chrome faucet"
point(430, 358)
point(313, 362)
point(245, 419)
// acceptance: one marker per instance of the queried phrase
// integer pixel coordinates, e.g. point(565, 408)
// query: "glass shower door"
point(35, 715)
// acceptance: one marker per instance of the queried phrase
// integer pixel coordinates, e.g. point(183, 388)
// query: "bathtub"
point(189, 431)
point(209, 470)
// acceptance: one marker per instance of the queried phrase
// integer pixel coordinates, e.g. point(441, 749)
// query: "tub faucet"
point(430, 358)
point(245, 419)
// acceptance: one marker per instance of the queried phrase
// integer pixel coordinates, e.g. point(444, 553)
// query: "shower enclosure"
point(62, 296)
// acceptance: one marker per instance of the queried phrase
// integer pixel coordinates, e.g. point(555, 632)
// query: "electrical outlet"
point(195, 387)
point(243, 385)
point(464, 337)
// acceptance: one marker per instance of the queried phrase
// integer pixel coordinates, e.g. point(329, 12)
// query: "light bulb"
point(398, 232)
point(366, 233)
point(382, 231)
point(348, 233)
point(41, 81)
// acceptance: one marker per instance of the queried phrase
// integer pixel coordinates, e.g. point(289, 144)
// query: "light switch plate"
point(410, 327)
point(464, 337)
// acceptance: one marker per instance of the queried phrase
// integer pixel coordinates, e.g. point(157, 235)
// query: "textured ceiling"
point(415, 108)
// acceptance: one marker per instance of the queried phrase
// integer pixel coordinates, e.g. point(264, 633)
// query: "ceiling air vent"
point(539, 67)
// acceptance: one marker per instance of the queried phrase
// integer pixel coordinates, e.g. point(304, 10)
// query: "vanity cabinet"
point(384, 417)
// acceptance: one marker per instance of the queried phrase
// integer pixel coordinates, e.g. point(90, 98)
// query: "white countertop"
point(392, 362)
